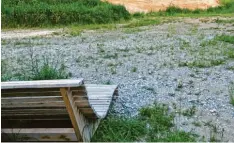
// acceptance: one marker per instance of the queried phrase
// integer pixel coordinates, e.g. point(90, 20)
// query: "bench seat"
point(51, 104)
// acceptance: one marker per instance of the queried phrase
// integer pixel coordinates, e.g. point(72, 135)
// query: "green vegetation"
point(189, 112)
point(226, 38)
point(226, 7)
point(142, 22)
point(210, 52)
point(35, 13)
point(202, 63)
point(231, 94)
point(47, 71)
point(35, 71)
point(154, 124)
point(90, 14)
point(225, 21)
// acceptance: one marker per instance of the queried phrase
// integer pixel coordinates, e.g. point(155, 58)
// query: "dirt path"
point(156, 5)
point(26, 33)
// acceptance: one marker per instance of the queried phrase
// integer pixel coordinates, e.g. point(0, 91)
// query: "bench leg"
point(84, 129)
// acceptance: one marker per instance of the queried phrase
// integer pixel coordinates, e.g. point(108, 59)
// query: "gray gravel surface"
point(144, 62)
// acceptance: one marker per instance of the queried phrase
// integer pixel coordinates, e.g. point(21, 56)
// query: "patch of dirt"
point(25, 33)
point(156, 5)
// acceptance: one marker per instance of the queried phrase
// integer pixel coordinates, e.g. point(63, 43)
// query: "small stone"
point(190, 82)
point(213, 111)
point(197, 93)
point(193, 101)
point(150, 72)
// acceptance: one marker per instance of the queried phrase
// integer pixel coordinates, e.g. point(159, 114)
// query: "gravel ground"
point(145, 62)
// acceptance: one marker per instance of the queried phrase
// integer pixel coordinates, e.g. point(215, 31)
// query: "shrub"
point(35, 13)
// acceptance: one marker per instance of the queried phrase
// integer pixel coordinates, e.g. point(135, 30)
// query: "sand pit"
point(156, 5)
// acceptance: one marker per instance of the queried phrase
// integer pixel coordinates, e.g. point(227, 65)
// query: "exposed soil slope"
point(156, 5)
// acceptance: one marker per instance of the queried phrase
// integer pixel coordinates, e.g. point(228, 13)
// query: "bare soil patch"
point(156, 5)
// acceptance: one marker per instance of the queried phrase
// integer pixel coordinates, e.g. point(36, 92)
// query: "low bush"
point(35, 13)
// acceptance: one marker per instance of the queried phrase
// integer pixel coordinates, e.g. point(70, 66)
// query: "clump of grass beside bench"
point(154, 124)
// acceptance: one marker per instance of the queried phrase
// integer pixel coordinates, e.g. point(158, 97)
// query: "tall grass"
point(37, 70)
point(35, 13)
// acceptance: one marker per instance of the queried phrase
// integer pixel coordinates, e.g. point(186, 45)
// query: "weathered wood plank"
point(34, 105)
point(74, 117)
point(44, 134)
point(12, 100)
point(42, 84)
point(31, 94)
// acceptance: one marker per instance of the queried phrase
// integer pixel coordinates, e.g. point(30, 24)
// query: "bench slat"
point(42, 84)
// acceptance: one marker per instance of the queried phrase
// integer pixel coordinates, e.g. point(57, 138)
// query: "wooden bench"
point(54, 110)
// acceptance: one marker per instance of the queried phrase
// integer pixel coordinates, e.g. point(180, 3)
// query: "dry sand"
point(156, 5)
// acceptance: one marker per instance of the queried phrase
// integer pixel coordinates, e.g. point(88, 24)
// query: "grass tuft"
point(226, 38)
point(231, 94)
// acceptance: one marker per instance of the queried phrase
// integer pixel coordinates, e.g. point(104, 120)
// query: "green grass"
point(231, 21)
point(91, 14)
point(153, 124)
point(226, 38)
point(202, 63)
point(142, 22)
point(35, 13)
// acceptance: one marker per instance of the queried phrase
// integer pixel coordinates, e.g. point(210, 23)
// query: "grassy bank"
point(34, 13)
point(47, 13)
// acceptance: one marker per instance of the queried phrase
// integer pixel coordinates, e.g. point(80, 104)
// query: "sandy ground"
point(156, 5)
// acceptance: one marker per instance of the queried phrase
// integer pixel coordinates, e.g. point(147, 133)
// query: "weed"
point(189, 112)
point(150, 89)
point(5, 76)
point(203, 63)
point(142, 22)
point(131, 30)
point(171, 30)
point(134, 69)
point(4, 42)
point(230, 68)
point(47, 71)
point(226, 38)
point(208, 43)
point(113, 70)
point(224, 21)
point(108, 82)
point(197, 124)
point(110, 56)
point(194, 30)
point(179, 85)
point(231, 94)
